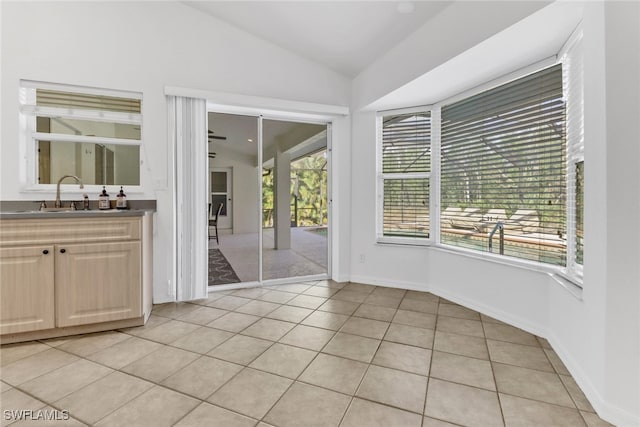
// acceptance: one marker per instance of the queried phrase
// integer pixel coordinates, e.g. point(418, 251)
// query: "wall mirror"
point(94, 134)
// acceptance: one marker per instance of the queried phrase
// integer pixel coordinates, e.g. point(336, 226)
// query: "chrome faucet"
point(58, 203)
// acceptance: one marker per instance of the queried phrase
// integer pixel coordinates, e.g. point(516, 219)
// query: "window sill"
point(572, 284)
point(404, 241)
point(498, 259)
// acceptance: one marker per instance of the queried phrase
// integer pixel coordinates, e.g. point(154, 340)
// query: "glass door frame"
point(290, 117)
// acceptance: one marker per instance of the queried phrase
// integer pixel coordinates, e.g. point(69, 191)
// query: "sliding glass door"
point(279, 198)
point(268, 191)
point(294, 199)
point(234, 248)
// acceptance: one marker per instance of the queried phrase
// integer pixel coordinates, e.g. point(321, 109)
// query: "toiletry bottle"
point(85, 201)
point(121, 200)
point(103, 199)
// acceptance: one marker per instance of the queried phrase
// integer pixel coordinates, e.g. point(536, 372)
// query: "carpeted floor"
point(220, 271)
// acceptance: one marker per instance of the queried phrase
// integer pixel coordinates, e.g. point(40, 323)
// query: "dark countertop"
point(22, 209)
point(73, 214)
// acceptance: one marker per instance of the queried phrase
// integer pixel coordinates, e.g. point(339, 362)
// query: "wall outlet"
point(362, 259)
point(159, 184)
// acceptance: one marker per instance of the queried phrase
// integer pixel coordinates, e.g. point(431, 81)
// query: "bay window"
point(505, 166)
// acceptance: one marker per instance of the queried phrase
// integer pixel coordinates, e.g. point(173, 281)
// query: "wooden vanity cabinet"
point(26, 288)
point(60, 275)
point(97, 282)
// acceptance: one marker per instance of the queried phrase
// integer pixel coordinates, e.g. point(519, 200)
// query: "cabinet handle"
point(45, 252)
point(63, 251)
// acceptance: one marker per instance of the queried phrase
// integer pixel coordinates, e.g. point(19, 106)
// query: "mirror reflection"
point(234, 204)
point(101, 164)
point(94, 137)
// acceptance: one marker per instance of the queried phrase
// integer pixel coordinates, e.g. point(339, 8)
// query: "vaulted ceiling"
point(345, 36)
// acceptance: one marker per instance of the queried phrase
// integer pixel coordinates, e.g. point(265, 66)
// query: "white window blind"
point(56, 98)
point(503, 160)
point(405, 173)
point(572, 61)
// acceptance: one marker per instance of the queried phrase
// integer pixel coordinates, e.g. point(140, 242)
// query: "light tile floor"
point(307, 354)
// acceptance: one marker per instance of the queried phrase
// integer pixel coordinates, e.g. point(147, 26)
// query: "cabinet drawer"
point(67, 230)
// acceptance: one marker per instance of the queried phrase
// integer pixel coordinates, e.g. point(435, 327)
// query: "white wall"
point(457, 28)
point(622, 53)
point(597, 334)
point(341, 203)
point(143, 47)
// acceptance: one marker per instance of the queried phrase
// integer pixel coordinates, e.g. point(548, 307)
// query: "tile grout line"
point(493, 374)
point(297, 379)
point(433, 345)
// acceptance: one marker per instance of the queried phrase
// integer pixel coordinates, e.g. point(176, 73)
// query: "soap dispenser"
point(121, 200)
point(103, 200)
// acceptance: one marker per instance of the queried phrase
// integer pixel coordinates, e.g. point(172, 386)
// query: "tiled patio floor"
point(306, 257)
point(309, 354)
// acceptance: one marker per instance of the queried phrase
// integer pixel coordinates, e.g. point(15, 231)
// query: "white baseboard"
point(162, 299)
point(366, 280)
point(487, 310)
point(612, 414)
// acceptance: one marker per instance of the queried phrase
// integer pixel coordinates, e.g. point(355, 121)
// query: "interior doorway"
point(272, 177)
point(221, 189)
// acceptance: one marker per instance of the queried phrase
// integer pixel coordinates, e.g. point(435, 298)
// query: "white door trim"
point(278, 109)
point(224, 222)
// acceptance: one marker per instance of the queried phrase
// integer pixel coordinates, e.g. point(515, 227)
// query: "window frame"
point(571, 271)
point(381, 176)
point(573, 50)
point(29, 137)
point(514, 77)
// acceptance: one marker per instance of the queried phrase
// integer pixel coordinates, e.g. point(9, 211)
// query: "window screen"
point(406, 167)
point(503, 161)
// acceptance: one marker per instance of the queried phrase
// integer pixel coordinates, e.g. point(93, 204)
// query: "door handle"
point(63, 250)
point(45, 252)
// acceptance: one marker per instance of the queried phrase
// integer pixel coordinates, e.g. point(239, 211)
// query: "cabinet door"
point(26, 289)
point(98, 282)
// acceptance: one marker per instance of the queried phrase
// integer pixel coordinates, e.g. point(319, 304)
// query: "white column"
point(282, 200)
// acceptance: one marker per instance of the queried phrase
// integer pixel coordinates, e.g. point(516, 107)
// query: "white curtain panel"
point(188, 131)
